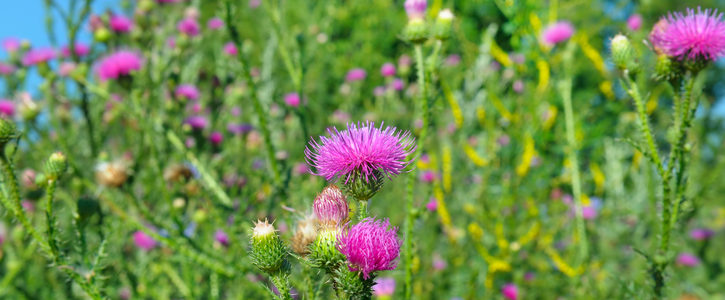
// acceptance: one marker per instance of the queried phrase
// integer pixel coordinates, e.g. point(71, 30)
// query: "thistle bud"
point(623, 53)
point(305, 234)
point(268, 252)
point(362, 188)
point(7, 132)
point(323, 252)
point(331, 207)
point(442, 27)
point(102, 34)
point(416, 31)
point(667, 69)
point(56, 165)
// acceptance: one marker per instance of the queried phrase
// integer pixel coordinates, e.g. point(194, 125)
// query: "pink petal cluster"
point(80, 50)
point(214, 23)
point(634, 22)
point(292, 99)
point(11, 44)
point(216, 138)
point(187, 91)
point(119, 64)
point(557, 32)
point(355, 75)
point(694, 35)
point(510, 291)
point(387, 70)
point(189, 26)
point(330, 206)
point(230, 49)
point(197, 122)
point(143, 241)
point(701, 234)
point(120, 23)
point(687, 260)
point(415, 8)
point(221, 237)
point(7, 108)
point(37, 56)
point(384, 287)
point(361, 148)
point(369, 246)
point(6, 69)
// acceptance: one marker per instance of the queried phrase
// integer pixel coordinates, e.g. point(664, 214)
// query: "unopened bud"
point(623, 53)
point(56, 166)
point(331, 207)
point(363, 188)
point(323, 252)
point(268, 252)
point(416, 31)
point(442, 27)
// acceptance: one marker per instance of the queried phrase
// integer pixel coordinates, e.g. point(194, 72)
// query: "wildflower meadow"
point(377, 149)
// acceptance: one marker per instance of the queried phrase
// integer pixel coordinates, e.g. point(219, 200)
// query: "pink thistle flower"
point(143, 241)
point(439, 263)
point(66, 68)
point(510, 291)
point(387, 70)
point(634, 22)
point(452, 60)
point(221, 237)
point(216, 138)
point(698, 35)
point(7, 108)
point(355, 75)
point(404, 61)
point(301, 169)
point(428, 176)
point(188, 26)
point(687, 260)
point(292, 99)
point(171, 43)
point(230, 49)
point(80, 50)
point(330, 206)
point(118, 64)
point(397, 84)
point(120, 23)
point(432, 205)
point(369, 246)
point(11, 44)
point(518, 86)
point(701, 234)
point(415, 9)
point(214, 23)
point(187, 92)
point(38, 56)
point(197, 122)
point(362, 149)
point(557, 32)
point(384, 287)
point(6, 69)
point(254, 3)
point(379, 91)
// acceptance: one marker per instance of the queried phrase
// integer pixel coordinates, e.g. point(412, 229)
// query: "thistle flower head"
point(510, 291)
point(143, 241)
point(119, 64)
point(330, 206)
point(292, 99)
point(6, 69)
point(701, 234)
point(187, 91)
point(687, 260)
point(557, 32)
point(369, 246)
point(356, 74)
point(120, 23)
point(38, 56)
point(56, 165)
point(214, 23)
point(221, 237)
point(361, 150)
point(80, 50)
point(694, 35)
point(415, 8)
point(387, 70)
point(7, 108)
point(230, 49)
point(634, 22)
point(11, 44)
point(189, 27)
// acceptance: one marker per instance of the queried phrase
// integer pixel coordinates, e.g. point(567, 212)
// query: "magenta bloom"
point(687, 260)
point(428, 176)
point(701, 234)
point(66, 68)
point(292, 99)
point(355, 75)
point(197, 122)
point(6, 69)
point(187, 91)
point(415, 8)
point(37, 56)
point(432, 205)
point(397, 84)
point(634, 22)
point(510, 291)
point(518, 86)
point(239, 128)
point(216, 138)
point(387, 70)
point(80, 50)
point(119, 64)
point(11, 44)
point(362, 149)
point(222, 238)
point(698, 35)
point(384, 287)
point(452, 60)
point(120, 23)
point(214, 23)
point(230, 49)
point(379, 91)
point(7, 108)
point(330, 206)
point(369, 246)
point(557, 32)
point(188, 26)
point(143, 241)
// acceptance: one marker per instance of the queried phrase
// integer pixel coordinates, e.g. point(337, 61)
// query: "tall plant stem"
point(50, 218)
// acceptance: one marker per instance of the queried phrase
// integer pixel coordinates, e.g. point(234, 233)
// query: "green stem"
point(281, 281)
point(633, 91)
point(362, 209)
point(687, 112)
point(17, 206)
point(565, 89)
point(50, 218)
point(407, 245)
point(420, 64)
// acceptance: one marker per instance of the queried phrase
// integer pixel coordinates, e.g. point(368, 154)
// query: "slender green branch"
point(281, 281)
point(50, 218)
